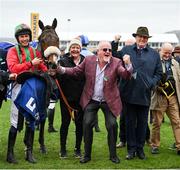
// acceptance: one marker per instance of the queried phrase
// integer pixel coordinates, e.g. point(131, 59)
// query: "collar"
point(137, 48)
point(165, 61)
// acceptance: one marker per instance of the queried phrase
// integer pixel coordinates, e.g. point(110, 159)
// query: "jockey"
point(21, 58)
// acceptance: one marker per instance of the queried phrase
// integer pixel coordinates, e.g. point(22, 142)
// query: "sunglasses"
point(106, 49)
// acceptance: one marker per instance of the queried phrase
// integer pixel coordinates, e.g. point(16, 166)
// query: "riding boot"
point(11, 142)
point(41, 137)
point(26, 138)
point(51, 120)
point(29, 135)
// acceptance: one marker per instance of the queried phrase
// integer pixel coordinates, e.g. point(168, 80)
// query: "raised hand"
point(126, 59)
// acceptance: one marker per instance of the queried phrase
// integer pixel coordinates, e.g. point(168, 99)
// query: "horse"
point(47, 38)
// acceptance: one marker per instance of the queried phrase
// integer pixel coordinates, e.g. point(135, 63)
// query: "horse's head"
point(48, 37)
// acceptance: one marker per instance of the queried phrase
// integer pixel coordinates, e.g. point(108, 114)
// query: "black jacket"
point(72, 87)
point(3, 85)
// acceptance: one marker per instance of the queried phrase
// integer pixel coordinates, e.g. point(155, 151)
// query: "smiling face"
point(75, 50)
point(141, 41)
point(166, 51)
point(24, 39)
point(104, 51)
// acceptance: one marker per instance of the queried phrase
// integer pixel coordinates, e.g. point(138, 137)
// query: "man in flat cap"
point(136, 92)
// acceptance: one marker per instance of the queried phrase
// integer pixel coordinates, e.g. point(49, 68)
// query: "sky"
point(120, 16)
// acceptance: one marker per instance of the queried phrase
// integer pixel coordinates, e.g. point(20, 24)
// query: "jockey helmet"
point(22, 29)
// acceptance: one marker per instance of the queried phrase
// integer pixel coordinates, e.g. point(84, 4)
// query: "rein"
point(70, 109)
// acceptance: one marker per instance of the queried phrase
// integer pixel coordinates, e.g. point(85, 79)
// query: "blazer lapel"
point(93, 72)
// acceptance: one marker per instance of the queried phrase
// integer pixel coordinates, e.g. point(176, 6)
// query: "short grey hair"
point(102, 43)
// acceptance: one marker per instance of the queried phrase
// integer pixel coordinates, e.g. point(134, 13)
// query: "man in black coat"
point(136, 92)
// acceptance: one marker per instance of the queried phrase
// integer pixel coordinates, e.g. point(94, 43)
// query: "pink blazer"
point(111, 74)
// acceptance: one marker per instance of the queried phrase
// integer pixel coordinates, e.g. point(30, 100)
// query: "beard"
point(106, 59)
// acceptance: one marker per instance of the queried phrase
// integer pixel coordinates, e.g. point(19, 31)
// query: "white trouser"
point(52, 104)
point(14, 110)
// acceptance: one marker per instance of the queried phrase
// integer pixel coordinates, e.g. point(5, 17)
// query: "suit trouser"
point(136, 127)
point(122, 125)
point(172, 110)
point(65, 121)
point(122, 129)
point(89, 120)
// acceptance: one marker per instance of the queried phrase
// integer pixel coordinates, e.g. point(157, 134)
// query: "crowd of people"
point(128, 83)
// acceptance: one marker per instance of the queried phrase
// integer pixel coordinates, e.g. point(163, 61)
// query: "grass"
point(167, 159)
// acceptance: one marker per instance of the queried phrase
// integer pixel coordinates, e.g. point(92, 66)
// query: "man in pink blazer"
point(101, 91)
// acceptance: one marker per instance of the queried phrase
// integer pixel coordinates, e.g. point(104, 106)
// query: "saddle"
point(21, 78)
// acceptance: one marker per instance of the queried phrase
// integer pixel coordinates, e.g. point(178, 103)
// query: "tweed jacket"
point(111, 74)
point(157, 97)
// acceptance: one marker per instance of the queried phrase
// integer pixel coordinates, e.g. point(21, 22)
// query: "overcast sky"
point(123, 16)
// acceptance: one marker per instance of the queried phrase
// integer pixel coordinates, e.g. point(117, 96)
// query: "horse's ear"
point(41, 25)
point(54, 24)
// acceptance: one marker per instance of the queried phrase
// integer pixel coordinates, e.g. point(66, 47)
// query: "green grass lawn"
point(100, 156)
